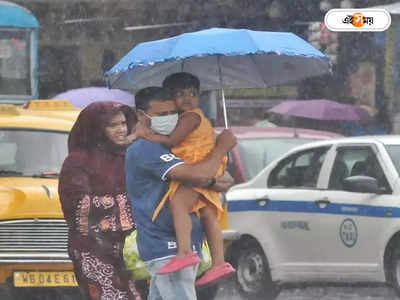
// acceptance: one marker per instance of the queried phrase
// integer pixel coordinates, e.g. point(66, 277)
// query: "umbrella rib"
point(258, 69)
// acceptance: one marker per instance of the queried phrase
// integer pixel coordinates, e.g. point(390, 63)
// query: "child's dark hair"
point(181, 80)
point(152, 93)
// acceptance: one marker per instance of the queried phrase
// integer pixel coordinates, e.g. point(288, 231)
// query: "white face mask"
point(163, 125)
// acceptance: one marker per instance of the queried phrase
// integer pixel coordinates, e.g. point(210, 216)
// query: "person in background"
point(149, 166)
point(94, 201)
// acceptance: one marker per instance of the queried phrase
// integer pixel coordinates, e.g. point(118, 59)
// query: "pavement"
point(229, 291)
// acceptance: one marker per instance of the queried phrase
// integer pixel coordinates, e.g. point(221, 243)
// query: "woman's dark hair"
point(181, 80)
point(153, 93)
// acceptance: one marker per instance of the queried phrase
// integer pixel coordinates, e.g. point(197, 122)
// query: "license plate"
point(40, 279)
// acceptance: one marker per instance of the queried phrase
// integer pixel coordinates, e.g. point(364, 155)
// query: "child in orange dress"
point(192, 139)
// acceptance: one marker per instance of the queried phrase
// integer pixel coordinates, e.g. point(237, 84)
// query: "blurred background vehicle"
point(18, 54)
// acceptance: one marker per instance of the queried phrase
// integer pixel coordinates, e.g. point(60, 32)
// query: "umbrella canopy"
point(84, 96)
point(221, 58)
point(321, 110)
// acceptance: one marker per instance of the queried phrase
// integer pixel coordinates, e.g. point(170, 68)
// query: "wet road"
point(228, 291)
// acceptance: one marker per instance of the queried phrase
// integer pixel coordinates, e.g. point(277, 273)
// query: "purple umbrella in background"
point(82, 97)
point(321, 109)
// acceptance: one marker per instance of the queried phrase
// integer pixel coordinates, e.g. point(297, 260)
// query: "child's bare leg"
point(181, 206)
point(213, 232)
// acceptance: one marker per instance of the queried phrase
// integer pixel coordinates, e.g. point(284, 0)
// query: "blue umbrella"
point(221, 58)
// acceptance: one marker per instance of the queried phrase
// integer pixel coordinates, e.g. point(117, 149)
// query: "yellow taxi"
point(33, 233)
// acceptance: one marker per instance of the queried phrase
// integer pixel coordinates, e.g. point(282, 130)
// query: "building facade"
point(80, 39)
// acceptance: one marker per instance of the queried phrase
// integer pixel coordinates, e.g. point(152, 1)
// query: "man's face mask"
point(163, 125)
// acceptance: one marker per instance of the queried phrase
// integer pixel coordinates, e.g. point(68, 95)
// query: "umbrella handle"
point(224, 109)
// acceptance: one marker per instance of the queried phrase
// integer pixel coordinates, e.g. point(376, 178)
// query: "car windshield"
point(32, 152)
point(255, 154)
point(394, 153)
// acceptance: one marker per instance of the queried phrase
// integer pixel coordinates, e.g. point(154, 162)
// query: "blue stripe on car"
point(311, 207)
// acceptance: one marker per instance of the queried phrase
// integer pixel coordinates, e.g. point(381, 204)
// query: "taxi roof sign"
point(53, 104)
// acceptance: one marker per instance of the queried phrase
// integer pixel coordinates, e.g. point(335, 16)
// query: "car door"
point(291, 231)
point(354, 223)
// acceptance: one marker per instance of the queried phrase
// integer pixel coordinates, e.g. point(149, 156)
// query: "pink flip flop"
point(218, 272)
point(177, 263)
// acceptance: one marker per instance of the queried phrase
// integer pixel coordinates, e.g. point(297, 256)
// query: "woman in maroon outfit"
point(93, 198)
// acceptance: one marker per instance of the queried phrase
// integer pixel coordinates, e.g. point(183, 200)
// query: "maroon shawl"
point(96, 208)
point(92, 180)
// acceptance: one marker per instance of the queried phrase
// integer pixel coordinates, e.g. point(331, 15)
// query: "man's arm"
point(201, 174)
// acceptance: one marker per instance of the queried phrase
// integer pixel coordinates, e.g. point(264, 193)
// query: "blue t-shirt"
point(146, 167)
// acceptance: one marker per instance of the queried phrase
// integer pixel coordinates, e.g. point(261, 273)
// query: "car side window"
point(300, 170)
point(353, 161)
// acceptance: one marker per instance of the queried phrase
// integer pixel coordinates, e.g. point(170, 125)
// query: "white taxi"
point(327, 211)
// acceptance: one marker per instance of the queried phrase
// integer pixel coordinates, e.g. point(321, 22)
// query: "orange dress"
point(195, 147)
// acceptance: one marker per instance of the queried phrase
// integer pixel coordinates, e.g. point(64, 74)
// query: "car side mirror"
point(361, 184)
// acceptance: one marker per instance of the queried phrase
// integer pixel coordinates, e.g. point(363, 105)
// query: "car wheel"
point(252, 272)
point(395, 270)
